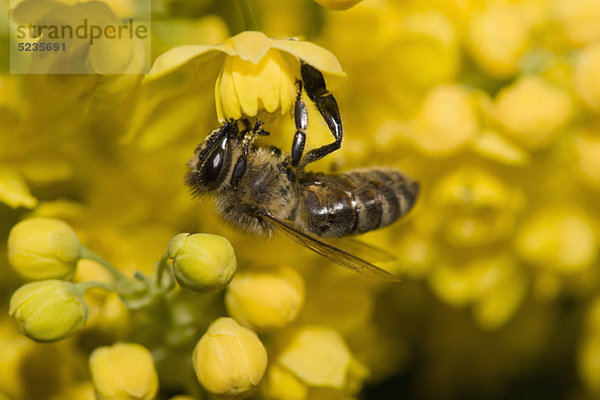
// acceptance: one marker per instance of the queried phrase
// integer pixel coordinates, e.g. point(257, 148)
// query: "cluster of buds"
point(229, 358)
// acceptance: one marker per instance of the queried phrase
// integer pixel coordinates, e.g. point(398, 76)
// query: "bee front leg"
point(316, 89)
point(249, 136)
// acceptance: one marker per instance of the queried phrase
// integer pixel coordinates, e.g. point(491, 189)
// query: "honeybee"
point(259, 190)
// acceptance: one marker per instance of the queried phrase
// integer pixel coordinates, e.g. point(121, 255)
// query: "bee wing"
point(362, 249)
point(331, 252)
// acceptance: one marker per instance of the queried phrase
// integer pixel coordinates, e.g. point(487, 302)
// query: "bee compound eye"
point(212, 165)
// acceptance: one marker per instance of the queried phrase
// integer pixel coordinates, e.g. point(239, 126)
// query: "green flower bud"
point(124, 371)
point(43, 248)
point(48, 310)
point(202, 262)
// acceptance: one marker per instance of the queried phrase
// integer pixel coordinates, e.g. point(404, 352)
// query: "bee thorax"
point(263, 188)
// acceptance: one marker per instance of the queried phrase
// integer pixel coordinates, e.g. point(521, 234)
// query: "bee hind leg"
point(315, 87)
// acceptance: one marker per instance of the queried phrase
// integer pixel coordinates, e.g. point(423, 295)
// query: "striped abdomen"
point(355, 201)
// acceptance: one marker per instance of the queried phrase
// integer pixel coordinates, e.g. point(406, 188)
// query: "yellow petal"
point(287, 88)
point(318, 356)
point(218, 104)
point(228, 95)
point(258, 86)
point(318, 57)
point(179, 56)
point(13, 189)
point(247, 80)
point(249, 46)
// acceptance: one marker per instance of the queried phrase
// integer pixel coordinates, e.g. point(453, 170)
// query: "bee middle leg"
point(315, 87)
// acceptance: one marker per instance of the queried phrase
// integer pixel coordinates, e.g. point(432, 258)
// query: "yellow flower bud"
point(318, 356)
point(580, 19)
point(43, 248)
point(498, 38)
point(559, 239)
point(183, 397)
point(281, 384)
point(587, 149)
point(202, 262)
point(123, 371)
point(265, 300)
point(533, 111)
point(338, 4)
point(48, 310)
point(586, 76)
point(229, 360)
point(447, 120)
point(588, 362)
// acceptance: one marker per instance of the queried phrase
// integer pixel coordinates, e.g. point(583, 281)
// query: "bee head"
point(211, 163)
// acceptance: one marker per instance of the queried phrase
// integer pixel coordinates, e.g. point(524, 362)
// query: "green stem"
point(249, 20)
point(160, 270)
point(123, 284)
point(87, 285)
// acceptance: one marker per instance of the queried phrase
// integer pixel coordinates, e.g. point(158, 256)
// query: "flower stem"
point(87, 285)
point(249, 20)
point(159, 271)
point(123, 284)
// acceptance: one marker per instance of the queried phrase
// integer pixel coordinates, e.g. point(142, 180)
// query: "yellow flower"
point(587, 147)
point(498, 37)
point(447, 120)
point(257, 74)
point(264, 301)
point(586, 76)
point(183, 397)
point(281, 384)
point(580, 19)
point(318, 356)
point(559, 239)
point(43, 248)
point(123, 371)
point(229, 360)
point(338, 4)
point(476, 208)
point(13, 189)
point(202, 262)
point(532, 111)
point(48, 310)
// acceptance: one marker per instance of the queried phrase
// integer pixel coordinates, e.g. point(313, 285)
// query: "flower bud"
point(43, 248)
point(447, 121)
point(558, 239)
point(338, 4)
point(586, 76)
point(265, 300)
point(48, 310)
point(124, 371)
point(281, 384)
point(318, 356)
point(498, 37)
point(182, 397)
point(202, 262)
point(229, 360)
point(533, 111)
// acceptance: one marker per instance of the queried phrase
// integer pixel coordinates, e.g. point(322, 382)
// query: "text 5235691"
point(41, 46)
